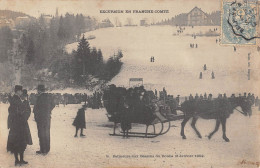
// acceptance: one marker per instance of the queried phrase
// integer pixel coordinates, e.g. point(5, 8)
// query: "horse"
point(218, 109)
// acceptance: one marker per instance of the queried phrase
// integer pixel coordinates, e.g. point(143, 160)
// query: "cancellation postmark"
point(239, 22)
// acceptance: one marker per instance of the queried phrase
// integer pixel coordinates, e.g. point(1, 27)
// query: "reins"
point(240, 111)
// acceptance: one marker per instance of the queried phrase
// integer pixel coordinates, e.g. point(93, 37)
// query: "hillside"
point(12, 14)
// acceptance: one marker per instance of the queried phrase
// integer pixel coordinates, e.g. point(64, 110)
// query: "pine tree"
point(99, 57)
point(6, 43)
point(82, 58)
point(62, 29)
point(30, 55)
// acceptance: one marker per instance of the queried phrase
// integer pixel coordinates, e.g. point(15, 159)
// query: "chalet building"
point(105, 23)
point(144, 22)
point(47, 18)
point(22, 20)
point(196, 17)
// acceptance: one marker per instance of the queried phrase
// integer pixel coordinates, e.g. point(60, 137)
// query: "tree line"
point(84, 62)
point(40, 44)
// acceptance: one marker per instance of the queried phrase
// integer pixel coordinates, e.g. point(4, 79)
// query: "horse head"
point(245, 105)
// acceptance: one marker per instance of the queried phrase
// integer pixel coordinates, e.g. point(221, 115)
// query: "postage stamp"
point(239, 22)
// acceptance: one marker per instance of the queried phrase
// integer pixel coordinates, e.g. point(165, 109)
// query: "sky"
point(93, 7)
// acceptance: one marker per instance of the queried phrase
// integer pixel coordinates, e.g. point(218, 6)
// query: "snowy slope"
point(177, 66)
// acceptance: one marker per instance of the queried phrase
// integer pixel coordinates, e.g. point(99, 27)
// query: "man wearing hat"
point(42, 114)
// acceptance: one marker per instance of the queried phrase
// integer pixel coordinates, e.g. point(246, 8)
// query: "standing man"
point(42, 114)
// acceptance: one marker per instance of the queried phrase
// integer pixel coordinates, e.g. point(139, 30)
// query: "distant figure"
point(244, 94)
point(155, 92)
point(201, 97)
point(200, 75)
point(196, 96)
point(258, 48)
point(225, 96)
point(190, 97)
point(205, 96)
point(205, 67)
point(152, 59)
point(212, 75)
point(164, 91)
point(80, 122)
point(235, 49)
point(233, 95)
point(210, 97)
point(196, 45)
point(256, 101)
point(178, 99)
point(216, 40)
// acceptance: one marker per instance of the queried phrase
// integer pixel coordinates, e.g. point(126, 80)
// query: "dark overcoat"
point(19, 133)
point(42, 114)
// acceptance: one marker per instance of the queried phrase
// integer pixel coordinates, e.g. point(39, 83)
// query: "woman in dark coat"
point(19, 136)
point(80, 121)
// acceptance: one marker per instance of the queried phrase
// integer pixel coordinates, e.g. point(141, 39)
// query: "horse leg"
point(215, 130)
point(223, 123)
point(193, 123)
point(114, 128)
point(186, 119)
point(146, 130)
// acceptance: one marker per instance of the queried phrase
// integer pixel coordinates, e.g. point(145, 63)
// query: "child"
point(80, 121)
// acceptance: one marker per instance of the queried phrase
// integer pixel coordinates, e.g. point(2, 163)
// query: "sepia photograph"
point(130, 83)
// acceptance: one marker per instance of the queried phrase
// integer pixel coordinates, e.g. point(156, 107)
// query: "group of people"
point(193, 45)
point(249, 96)
point(4, 97)
point(19, 112)
point(94, 101)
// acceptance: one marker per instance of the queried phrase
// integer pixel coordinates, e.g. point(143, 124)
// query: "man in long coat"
point(42, 113)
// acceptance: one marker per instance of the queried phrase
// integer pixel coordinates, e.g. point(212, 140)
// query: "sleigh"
point(158, 119)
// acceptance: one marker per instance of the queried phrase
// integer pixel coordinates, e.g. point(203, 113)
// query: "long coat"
point(26, 115)
point(19, 133)
point(42, 114)
point(80, 121)
point(43, 107)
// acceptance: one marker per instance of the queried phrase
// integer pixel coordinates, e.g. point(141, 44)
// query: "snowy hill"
point(177, 66)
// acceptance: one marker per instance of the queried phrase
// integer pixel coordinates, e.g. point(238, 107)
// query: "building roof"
point(198, 9)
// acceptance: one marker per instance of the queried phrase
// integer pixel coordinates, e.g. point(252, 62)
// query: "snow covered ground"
point(98, 149)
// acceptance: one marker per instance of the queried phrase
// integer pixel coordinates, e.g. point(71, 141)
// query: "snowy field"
point(98, 148)
point(177, 66)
